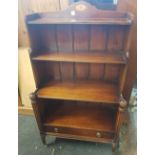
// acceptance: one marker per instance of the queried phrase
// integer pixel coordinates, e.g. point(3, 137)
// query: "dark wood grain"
point(80, 63)
point(81, 116)
point(93, 91)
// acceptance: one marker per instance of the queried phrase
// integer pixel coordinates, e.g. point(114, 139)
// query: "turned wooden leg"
point(121, 109)
point(37, 112)
point(43, 138)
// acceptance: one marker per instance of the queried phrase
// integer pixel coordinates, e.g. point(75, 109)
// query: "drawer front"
point(79, 132)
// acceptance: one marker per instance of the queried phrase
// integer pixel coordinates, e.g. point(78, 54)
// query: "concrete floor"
point(30, 143)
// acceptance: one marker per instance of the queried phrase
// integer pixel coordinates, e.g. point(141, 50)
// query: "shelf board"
point(92, 91)
point(80, 116)
point(104, 21)
point(83, 57)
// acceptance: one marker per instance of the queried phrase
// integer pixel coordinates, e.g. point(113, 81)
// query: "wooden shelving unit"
point(79, 58)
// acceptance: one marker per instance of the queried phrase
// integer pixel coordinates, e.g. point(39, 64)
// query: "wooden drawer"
point(78, 132)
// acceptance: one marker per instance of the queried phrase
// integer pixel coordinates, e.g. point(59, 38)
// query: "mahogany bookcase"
point(79, 58)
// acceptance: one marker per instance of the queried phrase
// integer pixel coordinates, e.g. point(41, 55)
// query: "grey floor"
point(30, 143)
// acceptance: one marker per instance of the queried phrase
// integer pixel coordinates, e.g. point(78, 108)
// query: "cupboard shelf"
point(73, 116)
point(92, 91)
point(83, 57)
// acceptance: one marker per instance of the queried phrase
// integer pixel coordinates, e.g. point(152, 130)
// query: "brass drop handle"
point(98, 134)
point(56, 129)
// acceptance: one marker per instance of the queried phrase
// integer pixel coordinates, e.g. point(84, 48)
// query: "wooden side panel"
point(43, 38)
point(40, 73)
point(34, 38)
point(130, 6)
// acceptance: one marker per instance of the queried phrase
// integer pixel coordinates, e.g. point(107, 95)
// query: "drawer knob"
point(56, 129)
point(98, 134)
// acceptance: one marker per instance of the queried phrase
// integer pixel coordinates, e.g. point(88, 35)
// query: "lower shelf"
point(79, 119)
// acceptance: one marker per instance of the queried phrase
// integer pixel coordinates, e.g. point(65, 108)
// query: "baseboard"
point(23, 110)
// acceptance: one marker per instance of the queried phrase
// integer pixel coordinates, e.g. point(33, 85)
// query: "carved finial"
point(122, 103)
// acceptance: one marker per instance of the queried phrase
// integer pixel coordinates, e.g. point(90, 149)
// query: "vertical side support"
point(122, 77)
point(126, 48)
point(119, 120)
point(34, 69)
point(36, 110)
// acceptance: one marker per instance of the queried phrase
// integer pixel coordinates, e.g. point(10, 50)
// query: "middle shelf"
point(83, 57)
point(92, 91)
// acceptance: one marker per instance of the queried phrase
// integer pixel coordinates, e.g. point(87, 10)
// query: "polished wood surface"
point(29, 7)
point(84, 57)
point(81, 116)
point(80, 91)
point(108, 21)
point(74, 15)
point(79, 68)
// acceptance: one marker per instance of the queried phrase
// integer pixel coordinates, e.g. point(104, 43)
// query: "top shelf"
point(104, 21)
point(81, 13)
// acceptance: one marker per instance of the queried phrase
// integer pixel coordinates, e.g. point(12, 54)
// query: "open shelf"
point(84, 57)
point(92, 91)
point(81, 116)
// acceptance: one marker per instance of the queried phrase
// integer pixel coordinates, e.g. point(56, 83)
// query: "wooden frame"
point(69, 77)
